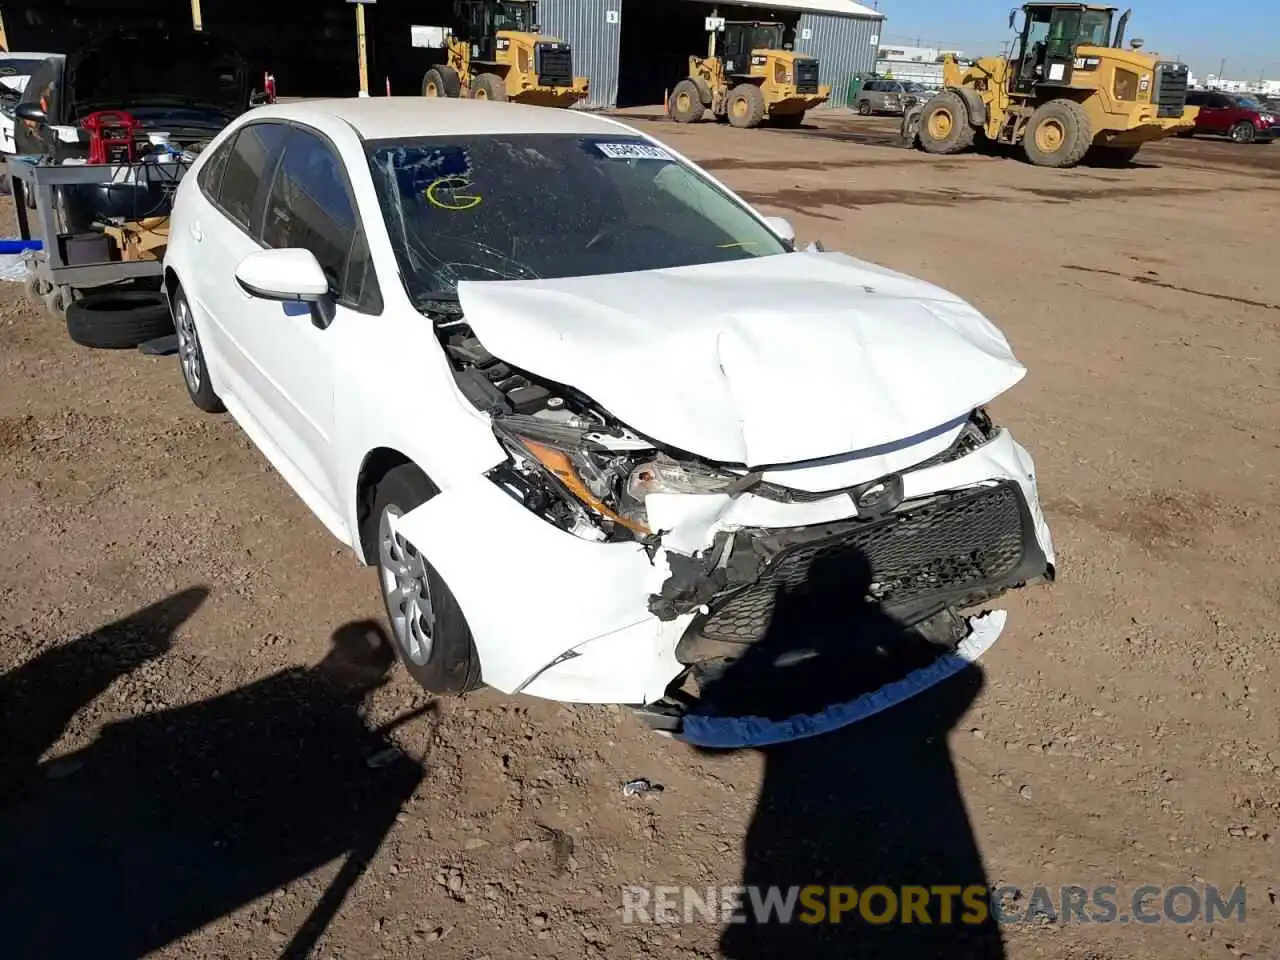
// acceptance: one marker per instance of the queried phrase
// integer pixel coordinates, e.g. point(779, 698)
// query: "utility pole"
point(1222, 69)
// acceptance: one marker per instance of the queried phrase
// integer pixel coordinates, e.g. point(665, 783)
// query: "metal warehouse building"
point(634, 50)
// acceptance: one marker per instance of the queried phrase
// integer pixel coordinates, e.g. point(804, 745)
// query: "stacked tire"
point(118, 320)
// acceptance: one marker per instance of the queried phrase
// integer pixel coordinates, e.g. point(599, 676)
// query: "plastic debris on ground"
point(639, 787)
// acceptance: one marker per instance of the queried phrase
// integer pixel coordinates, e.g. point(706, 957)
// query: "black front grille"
point(806, 76)
point(962, 548)
point(1170, 93)
point(554, 64)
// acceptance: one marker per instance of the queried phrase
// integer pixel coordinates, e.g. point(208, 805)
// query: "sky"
point(1245, 32)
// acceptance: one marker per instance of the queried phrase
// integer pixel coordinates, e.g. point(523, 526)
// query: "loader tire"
point(745, 107)
point(441, 82)
point(1058, 134)
point(944, 124)
point(488, 86)
point(686, 103)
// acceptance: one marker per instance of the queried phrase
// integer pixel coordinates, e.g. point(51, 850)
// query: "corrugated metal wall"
point(844, 46)
point(593, 28)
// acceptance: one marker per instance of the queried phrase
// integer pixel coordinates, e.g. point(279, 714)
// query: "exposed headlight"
point(597, 482)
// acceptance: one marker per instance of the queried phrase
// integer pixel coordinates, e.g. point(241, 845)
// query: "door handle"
point(196, 233)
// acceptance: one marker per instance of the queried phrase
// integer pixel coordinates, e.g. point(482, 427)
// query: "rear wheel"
point(1058, 135)
point(488, 86)
point(441, 82)
point(944, 124)
point(746, 106)
point(1243, 132)
point(686, 103)
point(430, 633)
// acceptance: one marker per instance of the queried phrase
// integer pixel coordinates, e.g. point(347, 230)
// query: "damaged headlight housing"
point(593, 483)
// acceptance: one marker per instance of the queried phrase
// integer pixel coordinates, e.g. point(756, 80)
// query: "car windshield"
point(1248, 103)
point(518, 207)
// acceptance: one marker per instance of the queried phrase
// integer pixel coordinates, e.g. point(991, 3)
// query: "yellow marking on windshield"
point(731, 246)
point(454, 201)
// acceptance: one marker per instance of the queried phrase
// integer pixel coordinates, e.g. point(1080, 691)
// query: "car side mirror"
point(288, 275)
point(32, 113)
point(783, 228)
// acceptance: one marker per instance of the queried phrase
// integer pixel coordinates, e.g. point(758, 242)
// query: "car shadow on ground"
point(875, 804)
point(173, 819)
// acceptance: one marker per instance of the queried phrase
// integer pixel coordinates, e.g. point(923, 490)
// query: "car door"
point(1220, 113)
point(222, 229)
point(294, 347)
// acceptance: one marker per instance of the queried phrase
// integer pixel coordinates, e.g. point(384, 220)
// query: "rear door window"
point(248, 172)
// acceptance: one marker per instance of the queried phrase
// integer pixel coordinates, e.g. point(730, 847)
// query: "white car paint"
point(735, 343)
point(892, 363)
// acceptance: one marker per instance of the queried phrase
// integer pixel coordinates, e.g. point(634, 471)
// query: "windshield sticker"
point(634, 151)
point(444, 194)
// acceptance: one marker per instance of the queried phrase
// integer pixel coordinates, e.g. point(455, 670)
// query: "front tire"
point(488, 86)
point(1243, 132)
point(944, 124)
point(686, 103)
point(745, 107)
point(441, 82)
point(428, 628)
point(191, 359)
point(864, 108)
point(1058, 134)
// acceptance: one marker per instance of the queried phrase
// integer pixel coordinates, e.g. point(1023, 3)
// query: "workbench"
point(54, 279)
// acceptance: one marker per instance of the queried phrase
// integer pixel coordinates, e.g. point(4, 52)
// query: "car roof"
point(390, 118)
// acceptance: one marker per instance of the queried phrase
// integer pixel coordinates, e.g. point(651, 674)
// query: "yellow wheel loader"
point(498, 54)
point(1070, 88)
point(757, 76)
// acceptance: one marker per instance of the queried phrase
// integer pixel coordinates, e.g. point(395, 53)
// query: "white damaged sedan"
point(585, 410)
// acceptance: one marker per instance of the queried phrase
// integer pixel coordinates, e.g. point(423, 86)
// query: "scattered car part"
point(640, 787)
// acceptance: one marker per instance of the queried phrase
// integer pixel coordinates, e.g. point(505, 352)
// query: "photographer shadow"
point(173, 819)
point(873, 804)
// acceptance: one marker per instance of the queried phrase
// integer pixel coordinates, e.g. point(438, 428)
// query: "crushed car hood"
point(762, 361)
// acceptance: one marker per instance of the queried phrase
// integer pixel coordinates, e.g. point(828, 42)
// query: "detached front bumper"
point(559, 617)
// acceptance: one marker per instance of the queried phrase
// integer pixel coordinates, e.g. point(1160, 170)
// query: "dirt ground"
point(195, 754)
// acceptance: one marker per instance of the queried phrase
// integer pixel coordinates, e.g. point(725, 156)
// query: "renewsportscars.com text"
point(937, 904)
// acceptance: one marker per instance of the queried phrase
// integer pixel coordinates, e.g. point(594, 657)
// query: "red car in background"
point(1240, 117)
